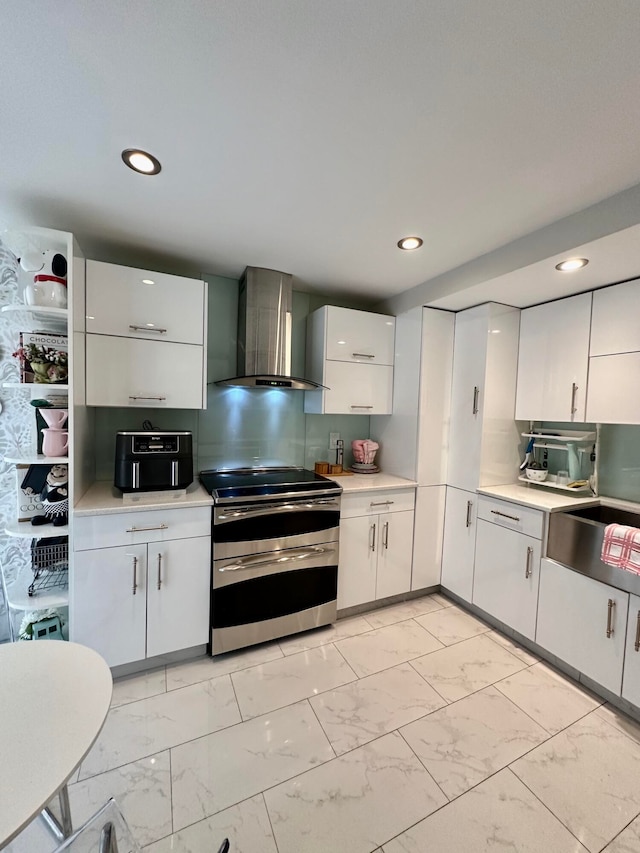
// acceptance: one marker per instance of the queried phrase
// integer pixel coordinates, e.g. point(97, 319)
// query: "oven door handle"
point(226, 516)
point(294, 555)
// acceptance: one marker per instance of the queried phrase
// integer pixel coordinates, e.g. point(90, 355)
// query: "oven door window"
point(251, 526)
point(274, 595)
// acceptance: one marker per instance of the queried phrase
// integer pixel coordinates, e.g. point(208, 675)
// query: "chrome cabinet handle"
point(360, 407)
point(385, 535)
point(380, 503)
point(469, 507)
point(361, 355)
point(174, 472)
point(141, 397)
point(504, 515)
point(159, 570)
point(610, 605)
point(147, 329)
point(637, 642)
point(271, 509)
point(256, 562)
point(476, 394)
point(144, 529)
point(135, 475)
point(574, 391)
point(372, 540)
point(528, 570)
point(135, 575)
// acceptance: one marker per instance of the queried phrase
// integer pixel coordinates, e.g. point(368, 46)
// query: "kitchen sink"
point(575, 540)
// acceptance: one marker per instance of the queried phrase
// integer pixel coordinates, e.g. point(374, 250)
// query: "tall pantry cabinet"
point(483, 437)
point(414, 441)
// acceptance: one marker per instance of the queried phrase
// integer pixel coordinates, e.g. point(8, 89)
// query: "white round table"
point(54, 699)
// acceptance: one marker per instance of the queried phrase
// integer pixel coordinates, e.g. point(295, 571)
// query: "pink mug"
point(54, 418)
point(55, 442)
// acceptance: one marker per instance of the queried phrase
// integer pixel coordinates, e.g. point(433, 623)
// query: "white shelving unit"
point(36, 459)
point(51, 316)
point(26, 530)
point(36, 386)
point(550, 483)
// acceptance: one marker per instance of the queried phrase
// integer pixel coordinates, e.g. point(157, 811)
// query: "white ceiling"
point(310, 135)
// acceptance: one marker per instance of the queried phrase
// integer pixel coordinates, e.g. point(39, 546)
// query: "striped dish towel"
point(621, 547)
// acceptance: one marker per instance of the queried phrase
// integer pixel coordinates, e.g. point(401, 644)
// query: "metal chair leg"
point(62, 828)
point(108, 841)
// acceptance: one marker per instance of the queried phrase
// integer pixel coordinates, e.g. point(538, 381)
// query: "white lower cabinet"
point(130, 602)
point(583, 622)
point(459, 542)
point(631, 673)
point(506, 576)
point(375, 549)
point(427, 536)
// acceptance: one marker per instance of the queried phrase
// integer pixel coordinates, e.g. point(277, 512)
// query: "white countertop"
point(104, 498)
point(55, 699)
point(373, 482)
point(537, 498)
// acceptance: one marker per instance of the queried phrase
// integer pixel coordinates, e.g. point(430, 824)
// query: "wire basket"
point(50, 564)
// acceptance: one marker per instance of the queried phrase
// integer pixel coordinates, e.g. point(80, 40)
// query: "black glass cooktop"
point(262, 483)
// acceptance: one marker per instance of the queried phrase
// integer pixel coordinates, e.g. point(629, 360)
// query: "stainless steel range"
point(275, 536)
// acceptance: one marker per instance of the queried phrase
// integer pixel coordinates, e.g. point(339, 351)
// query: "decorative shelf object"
point(550, 483)
point(26, 530)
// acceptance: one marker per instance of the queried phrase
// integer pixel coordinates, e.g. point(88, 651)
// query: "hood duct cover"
point(264, 332)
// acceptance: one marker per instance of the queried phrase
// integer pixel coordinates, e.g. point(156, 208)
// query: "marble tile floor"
point(412, 729)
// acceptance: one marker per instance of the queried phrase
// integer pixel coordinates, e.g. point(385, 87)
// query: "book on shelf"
point(44, 358)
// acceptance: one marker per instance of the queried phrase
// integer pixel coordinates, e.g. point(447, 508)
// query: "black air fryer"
point(153, 461)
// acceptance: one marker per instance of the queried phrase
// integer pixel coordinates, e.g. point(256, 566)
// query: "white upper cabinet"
point(351, 353)
point(137, 303)
point(358, 336)
point(132, 372)
point(614, 322)
point(614, 366)
point(553, 360)
point(483, 439)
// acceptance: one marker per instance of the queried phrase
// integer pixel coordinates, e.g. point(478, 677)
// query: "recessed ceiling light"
point(148, 281)
point(410, 243)
point(141, 161)
point(572, 264)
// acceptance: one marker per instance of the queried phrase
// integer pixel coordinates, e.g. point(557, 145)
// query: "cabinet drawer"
point(130, 372)
point(158, 525)
point(376, 502)
point(136, 303)
point(514, 516)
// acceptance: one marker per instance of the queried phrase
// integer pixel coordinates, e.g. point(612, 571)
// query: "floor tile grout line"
point(550, 810)
point(171, 789)
point(235, 696)
point(422, 764)
point(273, 832)
point(614, 727)
point(435, 690)
point(324, 731)
point(624, 828)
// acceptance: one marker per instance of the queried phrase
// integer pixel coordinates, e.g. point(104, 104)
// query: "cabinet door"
point(427, 536)
point(359, 336)
point(613, 382)
point(179, 591)
point(357, 389)
point(459, 542)
point(614, 320)
point(395, 549)
point(108, 602)
point(583, 622)
point(128, 372)
point(136, 303)
point(506, 576)
point(631, 675)
point(359, 540)
point(467, 399)
point(553, 360)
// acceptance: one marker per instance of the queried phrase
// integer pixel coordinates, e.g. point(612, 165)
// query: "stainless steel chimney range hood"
point(264, 333)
